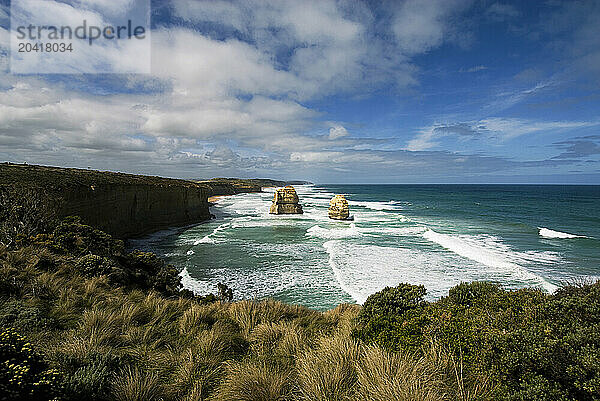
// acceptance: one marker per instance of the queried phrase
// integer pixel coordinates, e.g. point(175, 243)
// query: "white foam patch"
point(391, 205)
point(547, 233)
point(362, 270)
point(377, 216)
point(333, 233)
point(198, 287)
point(489, 251)
point(396, 231)
point(190, 252)
point(266, 221)
point(205, 240)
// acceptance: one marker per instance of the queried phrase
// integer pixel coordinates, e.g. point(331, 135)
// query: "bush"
point(25, 212)
point(147, 271)
point(74, 237)
point(19, 316)
point(468, 294)
point(93, 265)
point(90, 378)
point(24, 375)
point(394, 317)
point(534, 346)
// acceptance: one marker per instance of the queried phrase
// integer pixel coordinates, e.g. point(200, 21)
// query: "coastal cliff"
point(124, 205)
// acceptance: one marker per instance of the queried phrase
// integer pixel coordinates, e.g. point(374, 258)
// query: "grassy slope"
point(104, 334)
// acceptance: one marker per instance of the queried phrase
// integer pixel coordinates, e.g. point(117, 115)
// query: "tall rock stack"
point(338, 208)
point(286, 201)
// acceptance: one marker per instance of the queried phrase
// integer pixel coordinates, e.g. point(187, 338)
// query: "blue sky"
point(414, 91)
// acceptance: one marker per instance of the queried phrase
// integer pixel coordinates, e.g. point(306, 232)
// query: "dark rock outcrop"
point(286, 201)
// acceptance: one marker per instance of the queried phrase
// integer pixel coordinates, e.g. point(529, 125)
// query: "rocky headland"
point(123, 205)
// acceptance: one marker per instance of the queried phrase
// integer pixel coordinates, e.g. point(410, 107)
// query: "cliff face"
point(133, 210)
point(124, 205)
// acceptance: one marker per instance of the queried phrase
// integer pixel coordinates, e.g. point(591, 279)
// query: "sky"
point(412, 91)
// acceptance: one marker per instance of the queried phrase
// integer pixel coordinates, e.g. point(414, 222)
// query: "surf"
point(491, 252)
point(548, 233)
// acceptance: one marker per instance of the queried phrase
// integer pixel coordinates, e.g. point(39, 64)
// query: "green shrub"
point(147, 271)
point(394, 317)
point(534, 346)
point(93, 265)
point(74, 237)
point(24, 375)
point(468, 294)
point(90, 377)
point(25, 212)
point(16, 314)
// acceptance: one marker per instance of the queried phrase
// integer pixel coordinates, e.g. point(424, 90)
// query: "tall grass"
point(112, 343)
point(256, 380)
point(133, 384)
point(329, 372)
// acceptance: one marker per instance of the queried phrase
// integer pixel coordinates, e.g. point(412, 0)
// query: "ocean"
point(435, 235)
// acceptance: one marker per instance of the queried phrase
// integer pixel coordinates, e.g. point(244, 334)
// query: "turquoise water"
point(435, 235)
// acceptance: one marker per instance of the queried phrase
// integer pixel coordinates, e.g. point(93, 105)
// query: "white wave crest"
point(362, 270)
point(396, 231)
point(391, 205)
point(196, 286)
point(208, 239)
point(547, 233)
point(333, 233)
point(490, 252)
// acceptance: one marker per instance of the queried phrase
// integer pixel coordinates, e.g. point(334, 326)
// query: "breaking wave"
point(548, 233)
point(489, 251)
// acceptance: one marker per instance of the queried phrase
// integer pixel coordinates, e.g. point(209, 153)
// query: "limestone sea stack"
point(338, 208)
point(286, 201)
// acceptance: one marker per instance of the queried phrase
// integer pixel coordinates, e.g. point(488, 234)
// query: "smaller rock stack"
point(286, 201)
point(338, 208)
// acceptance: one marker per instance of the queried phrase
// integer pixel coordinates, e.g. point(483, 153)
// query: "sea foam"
point(208, 239)
point(196, 286)
point(489, 251)
point(547, 233)
point(333, 233)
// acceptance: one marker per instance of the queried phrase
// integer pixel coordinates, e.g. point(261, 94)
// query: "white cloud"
point(494, 129)
point(209, 98)
point(476, 68)
point(315, 157)
point(114, 56)
point(510, 128)
point(420, 26)
point(337, 131)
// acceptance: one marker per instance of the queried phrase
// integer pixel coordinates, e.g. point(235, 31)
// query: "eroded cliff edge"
point(124, 205)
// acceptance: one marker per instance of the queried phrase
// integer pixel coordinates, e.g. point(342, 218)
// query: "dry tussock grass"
point(134, 384)
point(329, 371)
point(256, 380)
